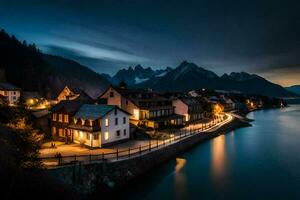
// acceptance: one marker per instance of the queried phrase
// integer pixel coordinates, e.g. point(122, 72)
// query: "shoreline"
point(117, 176)
point(233, 125)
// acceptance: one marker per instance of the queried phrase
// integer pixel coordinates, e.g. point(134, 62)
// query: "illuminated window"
point(136, 114)
point(106, 122)
point(60, 117)
point(106, 135)
point(87, 136)
point(54, 117)
point(66, 118)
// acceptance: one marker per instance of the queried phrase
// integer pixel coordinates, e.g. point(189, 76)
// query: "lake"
point(258, 162)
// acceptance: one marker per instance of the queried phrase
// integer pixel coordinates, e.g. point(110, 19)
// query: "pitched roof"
point(71, 106)
point(75, 90)
point(8, 86)
point(92, 111)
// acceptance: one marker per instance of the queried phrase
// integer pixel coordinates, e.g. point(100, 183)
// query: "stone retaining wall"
point(85, 178)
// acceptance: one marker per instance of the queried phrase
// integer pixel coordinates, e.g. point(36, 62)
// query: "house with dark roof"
point(60, 118)
point(99, 125)
point(10, 92)
point(147, 108)
point(69, 93)
point(190, 107)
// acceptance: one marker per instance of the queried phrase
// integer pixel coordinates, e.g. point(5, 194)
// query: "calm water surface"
point(258, 162)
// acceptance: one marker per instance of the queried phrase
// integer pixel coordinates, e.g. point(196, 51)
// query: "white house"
point(99, 125)
point(11, 92)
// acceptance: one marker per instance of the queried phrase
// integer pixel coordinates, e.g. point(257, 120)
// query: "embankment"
point(85, 178)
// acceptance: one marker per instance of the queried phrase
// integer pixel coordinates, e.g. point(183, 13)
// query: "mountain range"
point(188, 76)
point(135, 75)
point(26, 67)
point(295, 89)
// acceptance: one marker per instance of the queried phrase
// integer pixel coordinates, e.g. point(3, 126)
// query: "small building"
point(69, 93)
point(60, 119)
point(190, 107)
point(99, 125)
point(10, 92)
point(147, 108)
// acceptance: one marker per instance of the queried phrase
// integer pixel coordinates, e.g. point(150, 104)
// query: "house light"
point(31, 101)
point(186, 117)
point(106, 122)
point(106, 136)
point(136, 114)
point(81, 134)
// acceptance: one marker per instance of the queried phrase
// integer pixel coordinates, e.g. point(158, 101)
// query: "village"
point(123, 121)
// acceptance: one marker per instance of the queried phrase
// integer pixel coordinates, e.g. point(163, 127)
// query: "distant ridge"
point(294, 89)
point(188, 76)
point(135, 75)
point(26, 67)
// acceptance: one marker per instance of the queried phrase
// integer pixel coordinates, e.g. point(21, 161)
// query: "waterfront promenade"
point(73, 153)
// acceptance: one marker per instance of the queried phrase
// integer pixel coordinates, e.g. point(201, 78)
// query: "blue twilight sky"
point(257, 36)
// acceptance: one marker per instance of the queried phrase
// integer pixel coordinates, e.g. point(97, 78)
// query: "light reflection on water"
point(218, 158)
point(258, 162)
point(180, 179)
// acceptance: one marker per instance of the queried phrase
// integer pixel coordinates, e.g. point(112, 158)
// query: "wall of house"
point(181, 108)
point(112, 128)
point(87, 138)
point(12, 96)
point(128, 106)
point(120, 101)
point(115, 100)
point(59, 126)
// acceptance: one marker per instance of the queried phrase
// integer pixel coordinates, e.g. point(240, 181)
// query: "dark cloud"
point(260, 36)
point(98, 65)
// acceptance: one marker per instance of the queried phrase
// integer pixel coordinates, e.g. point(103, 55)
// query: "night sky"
point(256, 36)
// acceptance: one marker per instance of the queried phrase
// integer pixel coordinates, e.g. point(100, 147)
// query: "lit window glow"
point(136, 114)
point(106, 136)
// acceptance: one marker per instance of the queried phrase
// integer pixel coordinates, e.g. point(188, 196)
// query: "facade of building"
point(99, 125)
point(61, 116)
point(69, 93)
point(147, 108)
point(190, 107)
point(10, 92)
